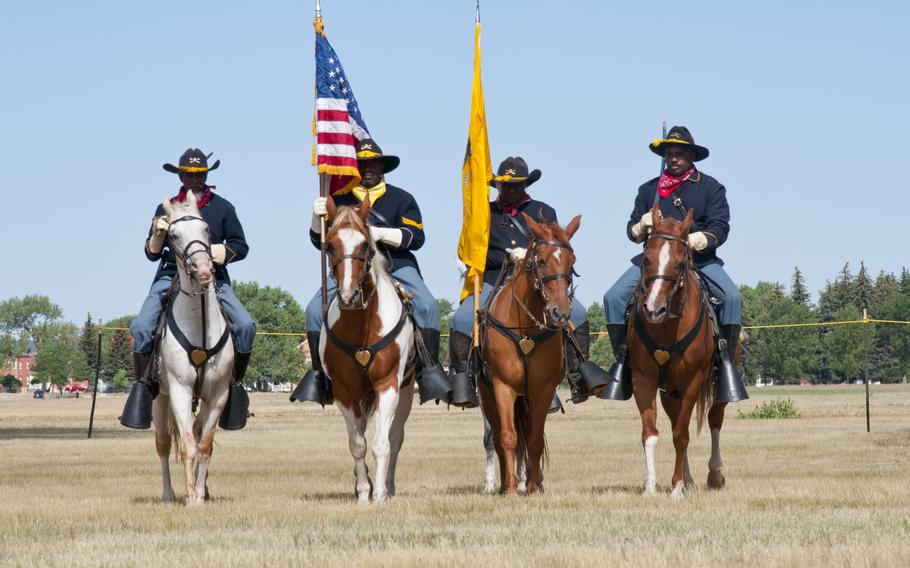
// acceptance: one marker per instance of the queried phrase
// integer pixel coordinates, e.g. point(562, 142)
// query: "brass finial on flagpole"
point(317, 23)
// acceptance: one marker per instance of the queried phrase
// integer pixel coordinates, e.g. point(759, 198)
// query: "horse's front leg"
point(357, 443)
point(489, 482)
point(160, 412)
point(387, 402)
point(181, 406)
point(646, 399)
point(508, 437)
point(716, 463)
point(396, 434)
point(681, 444)
point(206, 422)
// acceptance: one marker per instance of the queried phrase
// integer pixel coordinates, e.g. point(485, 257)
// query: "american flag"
point(338, 124)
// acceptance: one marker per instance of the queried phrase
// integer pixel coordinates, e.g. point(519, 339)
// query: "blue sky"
point(803, 105)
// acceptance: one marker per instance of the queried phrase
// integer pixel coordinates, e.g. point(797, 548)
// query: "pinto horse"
point(523, 351)
point(196, 356)
point(671, 351)
point(367, 348)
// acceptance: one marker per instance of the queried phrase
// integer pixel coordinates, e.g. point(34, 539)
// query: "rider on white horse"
point(228, 245)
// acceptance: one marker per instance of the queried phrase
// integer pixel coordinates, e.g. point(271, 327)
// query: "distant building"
point(22, 366)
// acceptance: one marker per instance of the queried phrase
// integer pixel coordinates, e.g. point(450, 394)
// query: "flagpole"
point(324, 181)
point(663, 160)
point(476, 276)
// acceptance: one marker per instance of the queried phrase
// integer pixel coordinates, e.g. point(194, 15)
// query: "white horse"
point(367, 348)
point(193, 358)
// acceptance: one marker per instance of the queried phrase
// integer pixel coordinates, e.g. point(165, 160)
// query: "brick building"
point(22, 366)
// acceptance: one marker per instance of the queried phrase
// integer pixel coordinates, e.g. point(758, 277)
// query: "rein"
point(185, 256)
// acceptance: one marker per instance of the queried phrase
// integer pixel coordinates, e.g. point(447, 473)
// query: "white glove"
point(319, 211)
point(219, 252)
point(517, 253)
point(159, 231)
point(461, 266)
point(386, 235)
point(644, 226)
point(698, 241)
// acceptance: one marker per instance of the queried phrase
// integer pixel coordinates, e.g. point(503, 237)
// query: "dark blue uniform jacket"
point(711, 214)
point(224, 228)
point(396, 209)
point(504, 234)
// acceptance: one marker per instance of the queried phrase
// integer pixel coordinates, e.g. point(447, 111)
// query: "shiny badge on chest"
point(363, 357)
point(661, 356)
point(526, 344)
point(198, 357)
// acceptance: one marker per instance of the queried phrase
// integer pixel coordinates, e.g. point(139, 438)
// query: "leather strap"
point(353, 351)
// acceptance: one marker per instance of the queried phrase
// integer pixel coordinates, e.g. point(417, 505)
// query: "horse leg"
point(508, 437)
point(181, 406)
point(396, 434)
point(646, 400)
point(716, 464)
point(160, 412)
point(536, 441)
point(683, 413)
point(489, 483)
point(358, 445)
point(204, 429)
point(386, 404)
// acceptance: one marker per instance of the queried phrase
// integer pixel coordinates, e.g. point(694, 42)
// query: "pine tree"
point(88, 343)
point(798, 291)
point(119, 355)
point(862, 289)
point(904, 282)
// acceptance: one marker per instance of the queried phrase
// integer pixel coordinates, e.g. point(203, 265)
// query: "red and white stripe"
point(337, 134)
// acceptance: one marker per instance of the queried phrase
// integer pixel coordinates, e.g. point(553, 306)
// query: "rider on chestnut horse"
point(509, 238)
point(681, 187)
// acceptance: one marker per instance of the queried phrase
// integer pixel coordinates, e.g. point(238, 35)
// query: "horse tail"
point(706, 395)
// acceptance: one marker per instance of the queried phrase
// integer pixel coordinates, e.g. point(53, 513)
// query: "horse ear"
point(191, 198)
point(364, 211)
point(533, 225)
point(573, 226)
point(687, 222)
point(166, 204)
point(330, 207)
point(656, 215)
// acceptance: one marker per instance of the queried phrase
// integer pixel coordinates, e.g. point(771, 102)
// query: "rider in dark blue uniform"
point(509, 238)
point(681, 187)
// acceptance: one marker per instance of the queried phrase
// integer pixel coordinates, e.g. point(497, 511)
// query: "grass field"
point(813, 491)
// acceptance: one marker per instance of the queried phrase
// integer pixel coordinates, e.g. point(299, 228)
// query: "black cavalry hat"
point(367, 149)
point(193, 160)
point(514, 170)
point(679, 135)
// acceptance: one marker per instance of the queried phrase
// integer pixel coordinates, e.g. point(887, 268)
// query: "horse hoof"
point(363, 499)
point(716, 479)
point(678, 492)
point(522, 487)
point(650, 490)
point(489, 489)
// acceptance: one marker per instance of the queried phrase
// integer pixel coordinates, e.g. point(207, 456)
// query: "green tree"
point(10, 382)
point(119, 356)
point(836, 295)
point(120, 380)
point(446, 314)
point(11, 346)
point(88, 343)
point(846, 345)
point(862, 288)
point(32, 316)
point(798, 291)
point(60, 359)
point(597, 317)
point(275, 358)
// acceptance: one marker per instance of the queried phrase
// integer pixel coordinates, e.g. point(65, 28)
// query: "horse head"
point(189, 239)
point(550, 263)
point(667, 261)
point(350, 250)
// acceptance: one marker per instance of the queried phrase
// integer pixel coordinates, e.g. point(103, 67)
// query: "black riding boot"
point(585, 377)
point(237, 409)
point(464, 384)
point(432, 380)
point(314, 386)
point(620, 385)
point(729, 387)
point(137, 412)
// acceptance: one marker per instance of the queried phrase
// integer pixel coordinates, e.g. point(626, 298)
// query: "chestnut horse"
point(367, 349)
point(671, 350)
point(523, 350)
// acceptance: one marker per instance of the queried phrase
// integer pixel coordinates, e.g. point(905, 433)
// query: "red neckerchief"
point(201, 202)
point(513, 208)
point(668, 184)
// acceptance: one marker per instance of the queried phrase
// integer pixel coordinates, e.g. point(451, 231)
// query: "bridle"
point(367, 259)
point(185, 257)
point(679, 281)
point(538, 281)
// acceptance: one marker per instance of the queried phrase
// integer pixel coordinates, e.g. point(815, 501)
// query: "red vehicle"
point(76, 386)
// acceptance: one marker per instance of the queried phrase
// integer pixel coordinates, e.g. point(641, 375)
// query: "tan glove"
point(517, 253)
point(160, 226)
point(698, 241)
point(219, 252)
point(386, 235)
point(644, 226)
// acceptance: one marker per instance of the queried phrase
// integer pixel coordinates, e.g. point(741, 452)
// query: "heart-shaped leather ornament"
point(526, 344)
point(661, 356)
point(363, 357)
point(198, 357)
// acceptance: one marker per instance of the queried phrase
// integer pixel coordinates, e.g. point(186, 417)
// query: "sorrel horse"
point(671, 350)
point(367, 348)
point(196, 356)
point(523, 351)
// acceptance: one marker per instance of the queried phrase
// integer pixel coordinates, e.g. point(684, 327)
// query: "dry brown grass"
point(814, 491)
